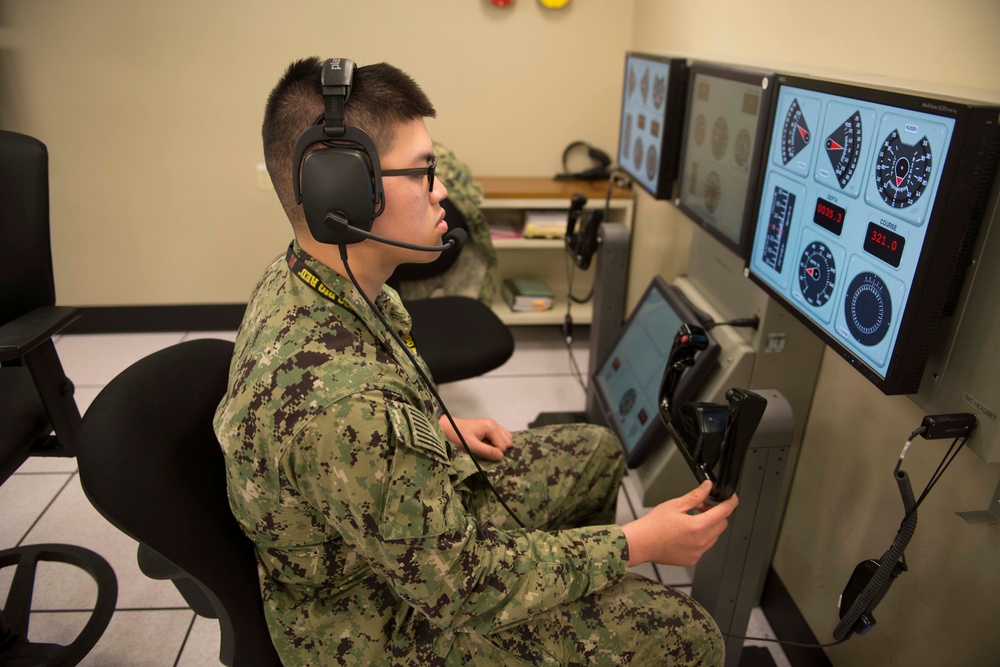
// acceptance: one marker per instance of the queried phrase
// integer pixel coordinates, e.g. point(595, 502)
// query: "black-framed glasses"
point(417, 171)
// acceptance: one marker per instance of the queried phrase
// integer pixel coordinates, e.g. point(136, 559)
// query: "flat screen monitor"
point(628, 382)
point(651, 118)
point(869, 204)
point(723, 140)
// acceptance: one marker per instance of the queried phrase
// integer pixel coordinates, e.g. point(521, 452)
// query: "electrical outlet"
point(263, 179)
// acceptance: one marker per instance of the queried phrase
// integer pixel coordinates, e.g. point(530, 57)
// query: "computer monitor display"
point(868, 206)
point(724, 125)
point(652, 114)
point(628, 382)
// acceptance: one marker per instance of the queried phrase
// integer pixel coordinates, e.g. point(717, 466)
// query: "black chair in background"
point(150, 463)
point(38, 414)
point(459, 337)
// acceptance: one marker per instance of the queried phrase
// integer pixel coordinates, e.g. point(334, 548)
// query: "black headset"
point(600, 170)
point(339, 185)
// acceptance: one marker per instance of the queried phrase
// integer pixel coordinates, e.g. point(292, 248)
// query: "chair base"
point(15, 648)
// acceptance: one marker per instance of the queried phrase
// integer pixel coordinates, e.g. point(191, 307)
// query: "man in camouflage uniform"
point(379, 542)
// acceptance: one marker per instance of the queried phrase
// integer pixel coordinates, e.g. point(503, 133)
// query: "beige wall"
point(151, 112)
point(844, 506)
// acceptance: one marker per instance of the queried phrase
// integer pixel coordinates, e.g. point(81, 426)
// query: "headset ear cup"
point(337, 179)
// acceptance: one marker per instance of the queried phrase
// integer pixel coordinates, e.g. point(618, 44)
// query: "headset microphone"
point(453, 239)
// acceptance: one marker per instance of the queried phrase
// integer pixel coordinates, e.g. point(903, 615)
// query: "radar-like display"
point(722, 149)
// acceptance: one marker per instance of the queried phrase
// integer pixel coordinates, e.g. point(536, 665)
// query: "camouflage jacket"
point(356, 502)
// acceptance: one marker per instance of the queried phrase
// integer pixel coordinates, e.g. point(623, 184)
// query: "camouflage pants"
point(566, 476)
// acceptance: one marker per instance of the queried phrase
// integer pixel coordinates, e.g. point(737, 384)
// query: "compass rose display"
point(868, 308)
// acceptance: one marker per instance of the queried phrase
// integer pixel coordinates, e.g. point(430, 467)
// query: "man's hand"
point(486, 438)
point(668, 535)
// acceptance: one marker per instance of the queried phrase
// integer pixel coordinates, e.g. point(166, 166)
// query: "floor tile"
point(23, 498)
point(149, 638)
point(202, 645)
point(94, 359)
point(72, 519)
point(759, 627)
point(542, 351)
point(508, 401)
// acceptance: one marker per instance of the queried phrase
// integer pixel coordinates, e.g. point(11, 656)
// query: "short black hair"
point(382, 97)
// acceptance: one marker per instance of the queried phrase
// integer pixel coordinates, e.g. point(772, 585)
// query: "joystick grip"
point(745, 411)
point(688, 341)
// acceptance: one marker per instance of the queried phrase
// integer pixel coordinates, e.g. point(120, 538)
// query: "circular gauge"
point(628, 400)
point(741, 149)
point(817, 274)
point(700, 125)
point(902, 171)
point(720, 137)
point(868, 308)
point(843, 147)
point(713, 191)
point(794, 133)
point(651, 162)
point(637, 152)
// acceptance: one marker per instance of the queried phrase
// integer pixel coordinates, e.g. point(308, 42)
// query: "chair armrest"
point(20, 336)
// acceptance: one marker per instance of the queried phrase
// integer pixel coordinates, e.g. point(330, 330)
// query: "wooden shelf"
point(504, 187)
point(506, 200)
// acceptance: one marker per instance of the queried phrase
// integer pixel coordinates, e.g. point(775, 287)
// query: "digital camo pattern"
point(379, 544)
point(474, 272)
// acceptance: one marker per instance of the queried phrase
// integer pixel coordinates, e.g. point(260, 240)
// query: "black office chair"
point(38, 414)
point(150, 463)
point(459, 337)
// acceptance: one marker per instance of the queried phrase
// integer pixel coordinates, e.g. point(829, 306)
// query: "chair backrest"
point(150, 463)
point(25, 248)
point(406, 272)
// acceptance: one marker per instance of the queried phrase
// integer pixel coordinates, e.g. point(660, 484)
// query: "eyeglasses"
point(418, 171)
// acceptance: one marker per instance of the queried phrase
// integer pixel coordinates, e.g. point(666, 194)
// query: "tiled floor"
point(152, 625)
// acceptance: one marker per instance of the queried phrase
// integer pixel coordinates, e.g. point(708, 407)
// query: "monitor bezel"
point(936, 270)
point(672, 121)
point(765, 79)
point(693, 380)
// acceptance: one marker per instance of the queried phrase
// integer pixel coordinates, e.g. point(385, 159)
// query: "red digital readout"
point(829, 216)
point(884, 244)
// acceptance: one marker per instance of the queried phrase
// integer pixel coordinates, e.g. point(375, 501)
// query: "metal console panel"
point(729, 578)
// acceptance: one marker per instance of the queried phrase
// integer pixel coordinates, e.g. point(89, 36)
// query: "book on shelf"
point(544, 224)
point(527, 294)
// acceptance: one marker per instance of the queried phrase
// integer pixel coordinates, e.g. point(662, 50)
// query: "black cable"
point(750, 322)
point(427, 381)
point(895, 555)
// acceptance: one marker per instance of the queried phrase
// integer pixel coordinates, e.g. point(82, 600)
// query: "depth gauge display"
point(858, 230)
